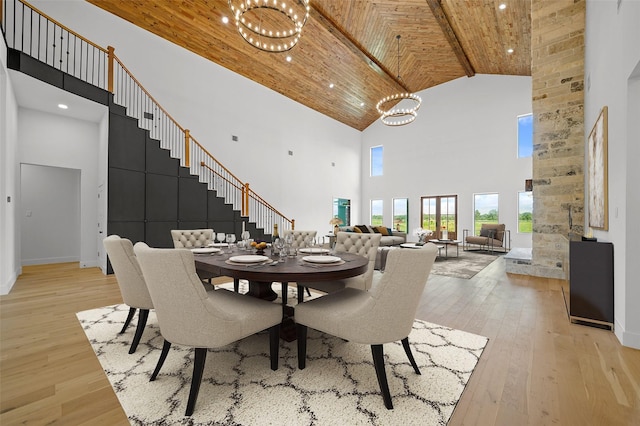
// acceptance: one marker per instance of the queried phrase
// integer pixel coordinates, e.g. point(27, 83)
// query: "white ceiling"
point(34, 94)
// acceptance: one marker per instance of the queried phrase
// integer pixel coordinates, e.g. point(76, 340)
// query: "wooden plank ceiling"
point(353, 45)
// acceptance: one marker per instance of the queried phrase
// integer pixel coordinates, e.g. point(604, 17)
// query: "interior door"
point(439, 213)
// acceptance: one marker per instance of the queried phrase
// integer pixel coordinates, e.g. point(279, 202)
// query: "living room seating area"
point(389, 236)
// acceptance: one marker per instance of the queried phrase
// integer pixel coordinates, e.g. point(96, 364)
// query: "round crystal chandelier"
point(401, 108)
point(270, 25)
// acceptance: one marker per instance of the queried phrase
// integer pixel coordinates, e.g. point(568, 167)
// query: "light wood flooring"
point(538, 368)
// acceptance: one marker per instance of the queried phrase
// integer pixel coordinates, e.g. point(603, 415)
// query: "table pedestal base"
point(262, 290)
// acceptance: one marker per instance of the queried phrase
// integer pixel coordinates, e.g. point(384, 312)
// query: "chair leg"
point(302, 345)
point(236, 285)
point(308, 292)
point(163, 355)
point(132, 312)
point(274, 345)
point(196, 379)
point(407, 350)
point(378, 362)
point(142, 322)
point(300, 293)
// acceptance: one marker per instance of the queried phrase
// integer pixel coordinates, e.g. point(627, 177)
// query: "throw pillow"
point(484, 232)
point(376, 229)
point(383, 230)
point(390, 231)
point(363, 229)
point(357, 230)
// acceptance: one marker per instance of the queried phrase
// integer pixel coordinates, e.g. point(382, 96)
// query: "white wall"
point(612, 74)
point(464, 141)
point(55, 140)
point(50, 214)
point(9, 245)
point(214, 103)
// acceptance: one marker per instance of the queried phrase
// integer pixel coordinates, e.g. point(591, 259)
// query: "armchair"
point(493, 237)
point(382, 315)
point(190, 316)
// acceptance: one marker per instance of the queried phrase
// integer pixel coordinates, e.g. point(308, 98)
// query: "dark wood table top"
point(293, 269)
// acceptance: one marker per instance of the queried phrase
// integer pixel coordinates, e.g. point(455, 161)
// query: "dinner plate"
point(312, 250)
point(218, 245)
point(249, 258)
point(205, 250)
point(321, 259)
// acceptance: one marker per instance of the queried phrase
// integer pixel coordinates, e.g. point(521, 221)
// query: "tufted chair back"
point(191, 238)
point(299, 236)
point(365, 245)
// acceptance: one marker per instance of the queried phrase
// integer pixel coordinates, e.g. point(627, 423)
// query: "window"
point(438, 213)
point(525, 135)
point(400, 214)
point(485, 207)
point(525, 212)
point(376, 161)
point(376, 213)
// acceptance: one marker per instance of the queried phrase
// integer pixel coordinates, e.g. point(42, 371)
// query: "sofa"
point(389, 236)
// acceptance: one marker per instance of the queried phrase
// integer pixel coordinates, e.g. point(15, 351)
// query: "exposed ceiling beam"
point(441, 17)
point(352, 44)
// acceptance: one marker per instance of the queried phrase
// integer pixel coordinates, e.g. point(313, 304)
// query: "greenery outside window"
point(376, 161)
point(525, 212)
point(376, 213)
point(485, 207)
point(400, 214)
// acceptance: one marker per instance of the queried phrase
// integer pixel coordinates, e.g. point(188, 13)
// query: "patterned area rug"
point(338, 386)
point(466, 265)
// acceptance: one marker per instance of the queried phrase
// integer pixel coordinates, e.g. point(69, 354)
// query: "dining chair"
point(198, 238)
point(190, 316)
point(382, 315)
point(192, 238)
point(299, 239)
point(131, 282)
point(350, 242)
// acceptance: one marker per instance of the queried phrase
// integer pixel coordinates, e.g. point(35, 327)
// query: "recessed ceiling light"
point(331, 86)
point(289, 58)
point(502, 6)
point(361, 104)
point(225, 20)
point(509, 50)
point(62, 106)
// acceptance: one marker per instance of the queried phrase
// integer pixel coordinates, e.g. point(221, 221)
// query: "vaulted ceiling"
point(352, 44)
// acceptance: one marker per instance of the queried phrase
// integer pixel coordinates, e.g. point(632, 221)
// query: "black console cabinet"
point(591, 282)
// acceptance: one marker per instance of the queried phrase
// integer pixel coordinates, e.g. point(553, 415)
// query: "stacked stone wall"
point(557, 69)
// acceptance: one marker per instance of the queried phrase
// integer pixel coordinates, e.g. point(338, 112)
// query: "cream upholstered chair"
point(383, 315)
point(131, 282)
point(351, 242)
point(192, 238)
point(190, 316)
point(299, 237)
point(196, 238)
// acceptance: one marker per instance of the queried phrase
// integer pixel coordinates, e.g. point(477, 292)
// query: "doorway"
point(50, 214)
point(439, 213)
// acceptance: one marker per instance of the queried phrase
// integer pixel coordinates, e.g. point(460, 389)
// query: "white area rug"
point(338, 387)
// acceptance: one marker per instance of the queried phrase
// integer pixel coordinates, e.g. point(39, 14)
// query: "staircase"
point(159, 177)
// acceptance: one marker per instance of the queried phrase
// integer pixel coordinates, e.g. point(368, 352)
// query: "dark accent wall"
point(150, 193)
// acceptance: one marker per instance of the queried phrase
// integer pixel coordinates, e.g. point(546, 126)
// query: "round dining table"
point(292, 269)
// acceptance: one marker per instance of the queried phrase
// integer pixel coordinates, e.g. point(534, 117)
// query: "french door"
point(440, 213)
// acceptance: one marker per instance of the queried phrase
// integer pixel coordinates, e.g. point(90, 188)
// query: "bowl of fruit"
point(259, 246)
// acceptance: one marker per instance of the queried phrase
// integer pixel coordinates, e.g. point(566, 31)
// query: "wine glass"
point(245, 236)
point(231, 239)
point(220, 236)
